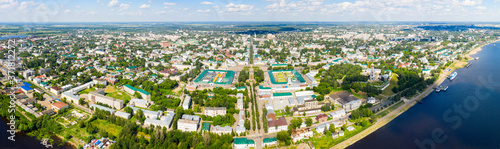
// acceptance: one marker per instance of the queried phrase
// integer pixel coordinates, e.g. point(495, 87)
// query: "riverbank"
point(474, 51)
point(408, 104)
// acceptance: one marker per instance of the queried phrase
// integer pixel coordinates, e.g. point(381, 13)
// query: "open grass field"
point(105, 125)
point(389, 110)
point(119, 95)
point(110, 89)
point(328, 142)
point(86, 91)
point(113, 92)
point(394, 82)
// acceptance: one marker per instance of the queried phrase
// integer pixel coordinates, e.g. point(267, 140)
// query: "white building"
point(221, 130)
point(187, 102)
point(188, 123)
point(214, 111)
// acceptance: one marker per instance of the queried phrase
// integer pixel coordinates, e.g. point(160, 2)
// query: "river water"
point(24, 141)
point(467, 115)
point(12, 36)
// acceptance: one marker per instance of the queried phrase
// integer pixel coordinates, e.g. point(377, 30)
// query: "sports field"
point(281, 76)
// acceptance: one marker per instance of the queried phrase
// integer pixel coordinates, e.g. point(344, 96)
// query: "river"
point(13, 36)
point(24, 141)
point(461, 117)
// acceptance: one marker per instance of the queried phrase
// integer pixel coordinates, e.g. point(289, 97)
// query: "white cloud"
point(144, 6)
point(161, 12)
point(203, 11)
point(113, 3)
point(8, 4)
point(26, 4)
point(67, 11)
point(124, 6)
point(78, 6)
point(460, 3)
point(481, 7)
point(169, 4)
point(238, 8)
point(206, 3)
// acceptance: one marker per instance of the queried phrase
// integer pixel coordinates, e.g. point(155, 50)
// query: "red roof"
point(280, 122)
point(56, 88)
point(59, 104)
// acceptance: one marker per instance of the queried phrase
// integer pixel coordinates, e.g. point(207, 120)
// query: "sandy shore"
point(474, 51)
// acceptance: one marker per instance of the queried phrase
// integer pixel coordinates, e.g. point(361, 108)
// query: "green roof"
point(132, 67)
point(243, 87)
point(243, 141)
point(206, 126)
point(137, 90)
point(278, 65)
point(270, 140)
point(264, 88)
point(282, 94)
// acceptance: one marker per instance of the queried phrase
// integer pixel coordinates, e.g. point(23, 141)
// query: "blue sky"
point(247, 10)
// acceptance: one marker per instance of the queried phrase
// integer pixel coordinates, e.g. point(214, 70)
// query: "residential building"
point(277, 125)
point(346, 100)
point(188, 123)
point(243, 143)
point(321, 118)
point(221, 130)
point(214, 111)
point(186, 104)
point(131, 90)
point(59, 106)
point(98, 96)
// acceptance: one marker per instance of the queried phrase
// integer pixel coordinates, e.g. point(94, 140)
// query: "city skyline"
point(262, 10)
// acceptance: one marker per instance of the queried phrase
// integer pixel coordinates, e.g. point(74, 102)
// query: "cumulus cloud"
point(26, 4)
point(124, 6)
point(8, 4)
point(481, 7)
point(460, 3)
point(67, 11)
point(238, 8)
point(169, 4)
point(113, 3)
point(206, 3)
point(203, 11)
point(144, 6)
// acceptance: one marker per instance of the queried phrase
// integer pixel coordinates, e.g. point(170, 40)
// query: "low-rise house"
point(243, 143)
point(350, 128)
point(214, 111)
point(321, 118)
point(299, 134)
point(140, 103)
point(277, 125)
point(222, 130)
point(96, 106)
point(338, 114)
point(267, 142)
point(59, 106)
point(165, 121)
point(239, 103)
point(186, 104)
point(121, 114)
